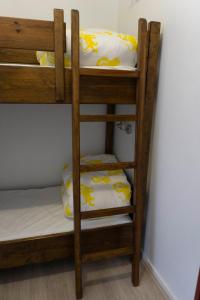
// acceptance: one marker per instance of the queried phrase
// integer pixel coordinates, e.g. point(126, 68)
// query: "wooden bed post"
point(138, 175)
point(145, 108)
point(110, 126)
point(60, 45)
point(151, 88)
point(76, 150)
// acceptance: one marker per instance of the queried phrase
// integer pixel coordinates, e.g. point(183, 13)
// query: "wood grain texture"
point(107, 90)
point(60, 47)
point(107, 166)
point(138, 174)
point(58, 246)
point(107, 212)
point(76, 150)
point(26, 34)
point(27, 84)
point(17, 56)
point(22, 84)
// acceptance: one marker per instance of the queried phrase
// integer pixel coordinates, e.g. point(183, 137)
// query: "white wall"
point(93, 13)
point(35, 140)
point(173, 229)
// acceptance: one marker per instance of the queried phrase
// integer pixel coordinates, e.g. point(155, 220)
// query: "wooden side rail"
point(27, 36)
point(33, 85)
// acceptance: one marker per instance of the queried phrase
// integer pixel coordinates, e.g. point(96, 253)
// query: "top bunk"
point(23, 80)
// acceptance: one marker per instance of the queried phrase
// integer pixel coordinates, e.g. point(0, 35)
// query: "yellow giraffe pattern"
point(123, 188)
point(88, 42)
point(86, 192)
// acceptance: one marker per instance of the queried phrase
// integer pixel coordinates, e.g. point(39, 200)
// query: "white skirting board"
point(158, 279)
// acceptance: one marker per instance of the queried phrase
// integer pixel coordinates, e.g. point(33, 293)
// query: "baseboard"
point(158, 279)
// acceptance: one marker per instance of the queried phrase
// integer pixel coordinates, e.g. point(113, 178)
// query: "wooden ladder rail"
point(77, 168)
point(148, 53)
point(76, 149)
point(138, 175)
point(141, 145)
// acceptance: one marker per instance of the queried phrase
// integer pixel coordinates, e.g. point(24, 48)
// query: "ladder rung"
point(109, 72)
point(107, 166)
point(107, 118)
point(107, 254)
point(107, 212)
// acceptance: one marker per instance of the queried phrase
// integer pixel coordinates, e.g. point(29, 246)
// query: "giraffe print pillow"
point(99, 190)
point(98, 48)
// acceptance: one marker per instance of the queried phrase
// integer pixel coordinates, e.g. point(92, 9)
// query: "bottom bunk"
point(33, 229)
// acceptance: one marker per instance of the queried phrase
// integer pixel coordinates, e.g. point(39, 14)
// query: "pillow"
point(99, 190)
point(98, 48)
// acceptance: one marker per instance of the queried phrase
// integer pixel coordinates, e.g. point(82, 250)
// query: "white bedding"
point(99, 48)
point(99, 190)
point(36, 212)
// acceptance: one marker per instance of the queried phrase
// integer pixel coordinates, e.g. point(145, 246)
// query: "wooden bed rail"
point(27, 34)
point(18, 56)
point(19, 41)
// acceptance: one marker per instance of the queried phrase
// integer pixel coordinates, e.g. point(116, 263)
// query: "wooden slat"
point(107, 212)
point(15, 253)
point(22, 84)
point(107, 90)
point(76, 150)
point(26, 34)
point(107, 118)
point(107, 166)
point(107, 254)
point(59, 40)
point(17, 56)
point(110, 129)
point(27, 84)
point(108, 72)
point(138, 174)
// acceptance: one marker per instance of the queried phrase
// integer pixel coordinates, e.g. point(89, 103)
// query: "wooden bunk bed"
point(19, 39)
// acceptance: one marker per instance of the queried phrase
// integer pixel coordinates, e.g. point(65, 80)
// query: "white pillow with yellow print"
point(99, 190)
point(98, 48)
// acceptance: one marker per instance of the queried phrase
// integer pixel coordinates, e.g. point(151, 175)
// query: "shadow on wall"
point(36, 142)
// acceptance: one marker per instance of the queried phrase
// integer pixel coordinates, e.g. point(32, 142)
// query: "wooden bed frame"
point(19, 39)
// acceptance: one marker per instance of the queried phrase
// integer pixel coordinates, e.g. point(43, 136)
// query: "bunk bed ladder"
point(138, 165)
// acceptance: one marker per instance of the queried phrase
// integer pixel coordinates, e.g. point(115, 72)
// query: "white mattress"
point(36, 212)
